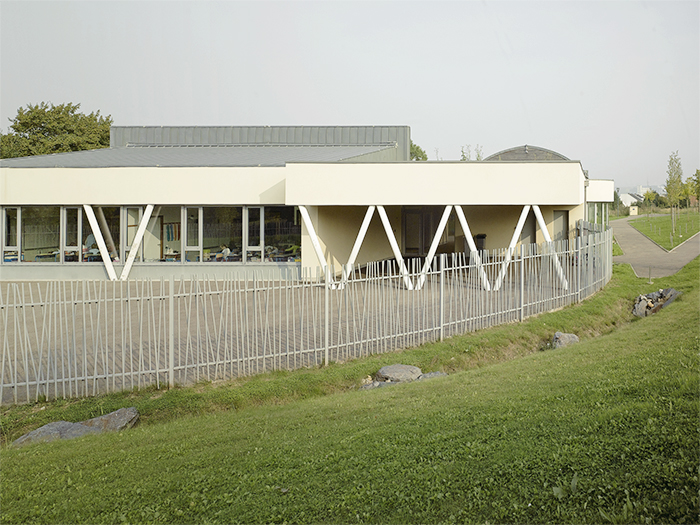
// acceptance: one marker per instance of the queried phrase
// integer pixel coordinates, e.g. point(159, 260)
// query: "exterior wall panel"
point(426, 183)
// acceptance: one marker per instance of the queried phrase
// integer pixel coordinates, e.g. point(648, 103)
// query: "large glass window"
point(91, 253)
point(222, 238)
point(108, 221)
point(282, 233)
point(11, 247)
point(71, 233)
point(254, 240)
point(173, 234)
point(40, 238)
point(163, 240)
point(132, 218)
point(192, 222)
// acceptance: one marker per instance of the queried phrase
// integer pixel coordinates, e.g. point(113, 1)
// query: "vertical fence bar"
point(171, 332)
point(327, 315)
point(442, 296)
point(522, 282)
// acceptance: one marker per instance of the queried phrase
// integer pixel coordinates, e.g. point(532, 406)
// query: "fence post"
point(522, 282)
point(579, 243)
point(442, 296)
point(171, 333)
point(328, 316)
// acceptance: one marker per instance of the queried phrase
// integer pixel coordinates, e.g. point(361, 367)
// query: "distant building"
point(628, 199)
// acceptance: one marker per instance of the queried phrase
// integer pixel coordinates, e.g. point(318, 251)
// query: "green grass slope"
point(605, 431)
point(658, 228)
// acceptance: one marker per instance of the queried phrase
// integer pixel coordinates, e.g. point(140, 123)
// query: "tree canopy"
point(694, 183)
point(44, 128)
point(418, 153)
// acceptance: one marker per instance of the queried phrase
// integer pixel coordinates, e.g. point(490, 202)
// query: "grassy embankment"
point(658, 227)
point(604, 431)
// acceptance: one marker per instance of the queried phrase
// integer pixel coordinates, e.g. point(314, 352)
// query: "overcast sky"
point(612, 84)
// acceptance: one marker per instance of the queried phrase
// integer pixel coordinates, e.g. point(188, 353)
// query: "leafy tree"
point(44, 128)
point(674, 184)
point(418, 153)
point(693, 183)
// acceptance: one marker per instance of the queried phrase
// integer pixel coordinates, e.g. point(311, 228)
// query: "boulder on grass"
point(121, 419)
point(651, 303)
point(561, 340)
point(398, 373)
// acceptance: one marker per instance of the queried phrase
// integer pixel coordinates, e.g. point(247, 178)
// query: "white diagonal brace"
point(433, 246)
point(472, 247)
point(136, 244)
point(548, 240)
point(511, 247)
point(395, 247)
point(314, 238)
point(99, 238)
point(358, 242)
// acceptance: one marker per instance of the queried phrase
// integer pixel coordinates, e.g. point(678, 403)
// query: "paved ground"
point(646, 256)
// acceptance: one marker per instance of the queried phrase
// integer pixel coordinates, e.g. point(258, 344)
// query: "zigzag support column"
point(433, 247)
point(548, 240)
point(472, 247)
point(511, 248)
point(99, 238)
point(136, 244)
point(314, 238)
point(358, 243)
point(395, 247)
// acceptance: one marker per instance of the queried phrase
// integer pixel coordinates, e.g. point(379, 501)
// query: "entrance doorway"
point(418, 230)
point(560, 226)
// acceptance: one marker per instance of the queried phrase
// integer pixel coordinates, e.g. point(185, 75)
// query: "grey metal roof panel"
point(121, 136)
point(195, 156)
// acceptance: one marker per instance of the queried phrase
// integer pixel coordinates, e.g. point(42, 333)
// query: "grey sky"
point(613, 84)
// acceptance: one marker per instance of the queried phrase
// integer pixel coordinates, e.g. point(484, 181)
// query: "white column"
point(511, 247)
point(472, 247)
point(550, 246)
point(358, 242)
point(395, 247)
point(136, 244)
point(433, 247)
point(106, 259)
point(314, 238)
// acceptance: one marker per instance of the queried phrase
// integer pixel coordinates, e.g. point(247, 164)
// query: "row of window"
point(173, 234)
point(598, 213)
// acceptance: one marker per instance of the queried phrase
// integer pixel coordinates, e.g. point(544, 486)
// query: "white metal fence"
point(81, 338)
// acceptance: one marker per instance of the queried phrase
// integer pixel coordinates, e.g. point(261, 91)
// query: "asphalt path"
point(646, 257)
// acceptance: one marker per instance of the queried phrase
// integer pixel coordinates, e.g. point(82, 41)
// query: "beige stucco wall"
point(435, 183)
point(124, 186)
point(599, 190)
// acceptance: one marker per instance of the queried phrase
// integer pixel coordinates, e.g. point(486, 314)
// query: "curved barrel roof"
point(526, 153)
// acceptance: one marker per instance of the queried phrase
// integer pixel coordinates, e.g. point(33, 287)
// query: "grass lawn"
point(605, 431)
point(616, 248)
point(658, 227)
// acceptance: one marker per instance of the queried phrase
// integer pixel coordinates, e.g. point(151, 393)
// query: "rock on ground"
point(121, 419)
point(561, 340)
point(431, 375)
point(398, 373)
point(395, 374)
point(652, 302)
